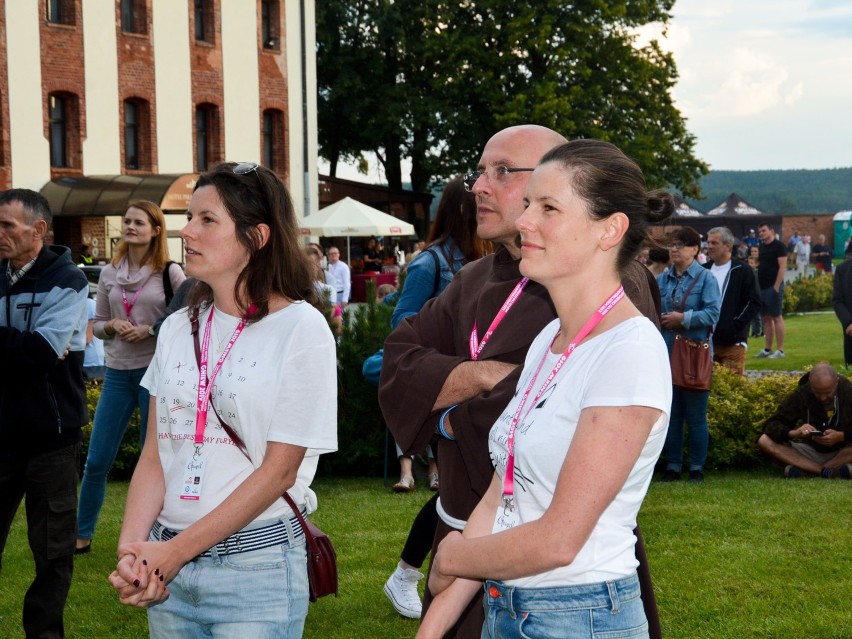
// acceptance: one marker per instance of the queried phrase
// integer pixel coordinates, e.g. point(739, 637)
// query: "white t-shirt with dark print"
point(628, 365)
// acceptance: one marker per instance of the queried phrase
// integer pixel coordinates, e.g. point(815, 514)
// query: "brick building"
point(104, 101)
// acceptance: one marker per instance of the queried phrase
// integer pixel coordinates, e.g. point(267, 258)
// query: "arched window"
point(273, 140)
point(59, 11)
point(206, 135)
point(269, 12)
point(204, 21)
point(134, 17)
point(137, 142)
point(58, 114)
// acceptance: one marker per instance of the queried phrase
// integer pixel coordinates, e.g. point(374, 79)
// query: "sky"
point(764, 84)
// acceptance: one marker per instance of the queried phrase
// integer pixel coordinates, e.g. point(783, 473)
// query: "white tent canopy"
point(350, 218)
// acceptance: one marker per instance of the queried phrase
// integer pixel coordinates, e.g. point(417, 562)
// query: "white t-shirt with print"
point(278, 383)
point(627, 365)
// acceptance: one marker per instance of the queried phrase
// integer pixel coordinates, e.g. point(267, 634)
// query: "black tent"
point(734, 212)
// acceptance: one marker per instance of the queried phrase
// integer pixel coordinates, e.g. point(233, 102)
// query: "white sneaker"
point(776, 355)
point(765, 353)
point(401, 589)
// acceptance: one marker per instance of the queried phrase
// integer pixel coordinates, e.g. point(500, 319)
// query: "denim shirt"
point(420, 279)
point(701, 310)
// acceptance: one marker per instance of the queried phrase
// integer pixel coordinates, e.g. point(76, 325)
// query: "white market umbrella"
point(350, 218)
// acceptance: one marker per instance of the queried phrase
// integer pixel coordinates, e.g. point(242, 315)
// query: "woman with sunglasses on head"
point(131, 296)
point(575, 448)
point(691, 304)
point(243, 388)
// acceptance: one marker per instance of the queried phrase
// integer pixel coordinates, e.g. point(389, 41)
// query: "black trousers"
point(49, 481)
point(418, 544)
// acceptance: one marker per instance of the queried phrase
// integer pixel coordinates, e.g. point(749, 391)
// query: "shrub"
point(735, 413)
point(808, 294)
point(360, 425)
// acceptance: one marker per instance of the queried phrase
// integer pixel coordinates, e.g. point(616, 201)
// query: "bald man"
point(811, 432)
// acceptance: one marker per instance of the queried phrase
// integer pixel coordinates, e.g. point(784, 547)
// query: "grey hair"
point(35, 205)
point(725, 232)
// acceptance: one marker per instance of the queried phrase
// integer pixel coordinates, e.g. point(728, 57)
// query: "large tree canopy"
point(433, 80)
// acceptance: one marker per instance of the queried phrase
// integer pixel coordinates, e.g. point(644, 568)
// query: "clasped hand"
point(144, 569)
point(128, 332)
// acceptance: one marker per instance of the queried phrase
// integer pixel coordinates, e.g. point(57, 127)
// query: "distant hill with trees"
point(793, 192)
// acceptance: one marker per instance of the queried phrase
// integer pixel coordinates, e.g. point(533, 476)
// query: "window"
point(204, 20)
point(269, 23)
point(58, 113)
point(137, 141)
point(206, 131)
point(273, 140)
point(60, 11)
point(133, 16)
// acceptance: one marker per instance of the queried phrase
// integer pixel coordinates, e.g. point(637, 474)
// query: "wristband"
point(441, 430)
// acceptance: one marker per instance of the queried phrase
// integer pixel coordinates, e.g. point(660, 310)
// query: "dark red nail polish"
point(136, 583)
point(156, 571)
point(144, 562)
point(161, 578)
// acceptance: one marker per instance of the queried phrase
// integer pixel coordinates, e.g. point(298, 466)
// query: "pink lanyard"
point(205, 383)
point(128, 306)
point(591, 323)
point(475, 345)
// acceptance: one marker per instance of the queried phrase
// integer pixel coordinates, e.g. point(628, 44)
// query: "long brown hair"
point(158, 249)
point(279, 267)
point(456, 219)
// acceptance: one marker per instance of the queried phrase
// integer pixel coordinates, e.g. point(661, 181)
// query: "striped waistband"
point(274, 534)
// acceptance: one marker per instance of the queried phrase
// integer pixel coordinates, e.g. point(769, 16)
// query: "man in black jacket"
point(740, 299)
point(42, 399)
point(811, 432)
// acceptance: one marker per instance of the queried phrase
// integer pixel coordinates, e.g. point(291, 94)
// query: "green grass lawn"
point(743, 555)
point(808, 339)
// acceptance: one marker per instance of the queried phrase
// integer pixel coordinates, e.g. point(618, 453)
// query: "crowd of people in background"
point(523, 315)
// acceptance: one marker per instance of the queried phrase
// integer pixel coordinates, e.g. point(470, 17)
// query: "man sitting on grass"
point(811, 432)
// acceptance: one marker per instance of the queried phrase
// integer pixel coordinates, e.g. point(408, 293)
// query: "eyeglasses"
point(494, 173)
point(244, 168)
point(675, 246)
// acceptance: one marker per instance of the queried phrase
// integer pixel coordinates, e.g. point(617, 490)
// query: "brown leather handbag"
point(691, 362)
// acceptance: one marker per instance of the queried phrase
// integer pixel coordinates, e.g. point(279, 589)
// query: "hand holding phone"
point(817, 433)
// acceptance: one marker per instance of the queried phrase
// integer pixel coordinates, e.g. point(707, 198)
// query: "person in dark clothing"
point(740, 300)
point(772, 264)
point(42, 399)
point(841, 299)
point(811, 432)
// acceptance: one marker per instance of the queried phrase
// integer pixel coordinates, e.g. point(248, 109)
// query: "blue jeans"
point(120, 394)
point(603, 610)
point(261, 594)
point(689, 407)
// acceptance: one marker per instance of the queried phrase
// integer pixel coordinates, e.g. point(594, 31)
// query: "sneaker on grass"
point(401, 589)
point(776, 355)
point(764, 353)
point(793, 472)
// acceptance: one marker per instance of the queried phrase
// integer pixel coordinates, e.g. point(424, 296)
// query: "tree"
point(433, 80)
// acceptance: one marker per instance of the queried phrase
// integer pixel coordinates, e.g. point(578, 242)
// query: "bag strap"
point(167, 283)
point(683, 301)
point(238, 441)
point(437, 282)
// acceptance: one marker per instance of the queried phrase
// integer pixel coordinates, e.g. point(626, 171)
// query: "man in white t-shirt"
point(740, 299)
point(341, 277)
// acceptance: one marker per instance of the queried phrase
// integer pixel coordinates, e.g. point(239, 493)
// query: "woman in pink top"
point(131, 297)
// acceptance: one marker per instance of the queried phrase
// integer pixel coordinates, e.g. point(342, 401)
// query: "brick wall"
point(62, 72)
point(5, 150)
point(272, 69)
point(136, 81)
point(207, 84)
